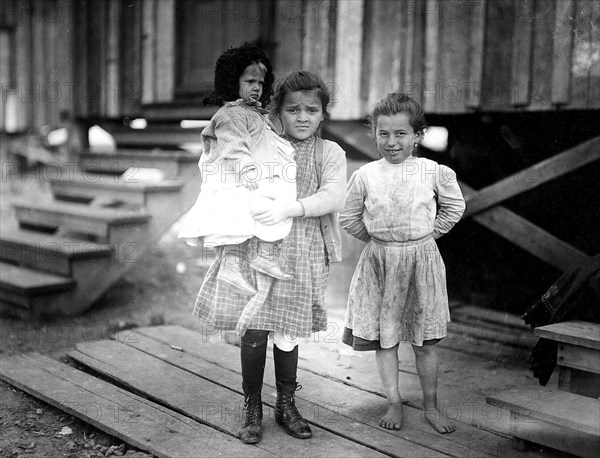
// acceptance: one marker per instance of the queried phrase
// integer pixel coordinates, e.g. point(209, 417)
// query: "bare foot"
point(393, 417)
point(439, 423)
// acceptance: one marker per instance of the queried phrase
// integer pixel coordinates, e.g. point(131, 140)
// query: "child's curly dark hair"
point(228, 69)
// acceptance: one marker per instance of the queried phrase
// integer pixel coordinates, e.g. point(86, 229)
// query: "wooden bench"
point(578, 357)
point(567, 419)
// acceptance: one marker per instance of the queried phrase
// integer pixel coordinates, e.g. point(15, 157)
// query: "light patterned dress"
point(293, 307)
point(398, 290)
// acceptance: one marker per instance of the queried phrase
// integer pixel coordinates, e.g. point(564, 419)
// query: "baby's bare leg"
point(387, 362)
point(427, 368)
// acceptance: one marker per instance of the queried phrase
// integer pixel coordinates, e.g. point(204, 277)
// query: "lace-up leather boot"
point(286, 413)
point(251, 430)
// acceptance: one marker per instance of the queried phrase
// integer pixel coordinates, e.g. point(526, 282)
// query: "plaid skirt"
point(293, 307)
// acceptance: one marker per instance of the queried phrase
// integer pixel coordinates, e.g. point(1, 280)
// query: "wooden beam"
point(522, 53)
point(563, 45)
point(527, 235)
point(531, 177)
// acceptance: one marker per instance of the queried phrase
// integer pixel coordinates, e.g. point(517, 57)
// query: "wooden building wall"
point(110, 58)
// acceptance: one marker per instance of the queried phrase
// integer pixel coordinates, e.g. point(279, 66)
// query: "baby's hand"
point(248, 182)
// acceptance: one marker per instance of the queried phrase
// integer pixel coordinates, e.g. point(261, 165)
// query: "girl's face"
point(251, 82)
point(395, 137)
point(301, 113)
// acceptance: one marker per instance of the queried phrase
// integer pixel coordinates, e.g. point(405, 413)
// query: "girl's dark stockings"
point(254, 352)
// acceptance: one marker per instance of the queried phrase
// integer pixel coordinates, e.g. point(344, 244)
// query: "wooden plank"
point(577, 357)
point(430, 76)
point(476, 50)
point(113, 64)
point(581, 333)
point(383, 57)
point(130, 56)
point(23, 68)
point(81, 58)
point(292, 43)
point(497, 64)
point(148, 51)
point(522, 53)
point(561, 59)
point(414, 85)
point(65, 50)
point(583, 51)
point(348, 63)
point(8, 16)
point(407, 57)
point(50, 90)
point(453, 60)
point(541, 84)
point(204, 399)
point(553, 436)
point(38, 66)
point(594, 75)
point(29, 282)
point(165, 51)
point(556, 407)
point(95, 34)
point(322, 415)
point(553, 167)
point(315, 45)
point(133, 419)
point(363, 406)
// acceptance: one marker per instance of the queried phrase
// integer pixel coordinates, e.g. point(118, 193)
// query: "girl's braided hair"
point(228, 69)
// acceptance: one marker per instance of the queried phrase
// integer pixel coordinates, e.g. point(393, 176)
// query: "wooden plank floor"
point(197, 385)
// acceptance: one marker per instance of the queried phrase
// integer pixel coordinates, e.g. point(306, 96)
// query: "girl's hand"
point(278, 211)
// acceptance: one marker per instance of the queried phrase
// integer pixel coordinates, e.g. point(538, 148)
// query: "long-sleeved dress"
point(398, 290)
point(295, 307)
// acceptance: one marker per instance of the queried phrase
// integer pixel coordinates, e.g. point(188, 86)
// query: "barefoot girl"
point(286, 310)
point(398, 291)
